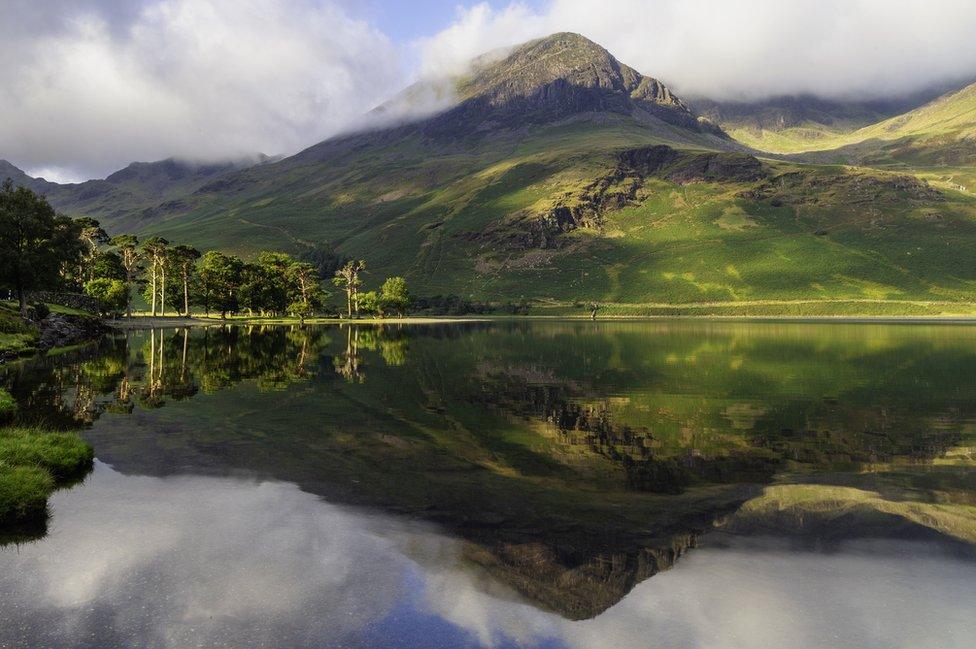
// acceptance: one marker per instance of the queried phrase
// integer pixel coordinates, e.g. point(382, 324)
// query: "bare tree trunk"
point(154, 289)
point(162, 289)
point(128, 294)
point(186, 296)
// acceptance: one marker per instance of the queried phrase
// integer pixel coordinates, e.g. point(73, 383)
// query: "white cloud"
point(203, 79)
point(744, 48)
point(90, 85)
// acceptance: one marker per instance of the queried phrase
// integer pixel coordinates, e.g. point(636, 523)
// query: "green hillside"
point(470, 222)
point(547, 181)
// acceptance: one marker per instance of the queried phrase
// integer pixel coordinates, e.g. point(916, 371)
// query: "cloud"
point(196, 561)
point(743, 49)
point(90, 86)
point(190, 560)
point(757, 592)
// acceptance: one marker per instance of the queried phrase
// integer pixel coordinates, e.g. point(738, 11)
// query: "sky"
point(87, 86)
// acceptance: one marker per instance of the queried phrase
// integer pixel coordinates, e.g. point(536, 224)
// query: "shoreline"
point(143, 322)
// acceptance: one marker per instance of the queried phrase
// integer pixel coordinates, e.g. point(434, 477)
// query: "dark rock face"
point(554, 78)
point(685, 167)
point(583, 576)
point(61, 330)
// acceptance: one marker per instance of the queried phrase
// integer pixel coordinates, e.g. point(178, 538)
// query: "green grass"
point(62, 454)
point(930, 134)
point(822, 233)
point(802, 507)
point(24, 491)
point(16, 336)
point(7, 405)
point(33, 463)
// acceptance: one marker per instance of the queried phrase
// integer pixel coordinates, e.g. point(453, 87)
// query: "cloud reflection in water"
point(200, 561)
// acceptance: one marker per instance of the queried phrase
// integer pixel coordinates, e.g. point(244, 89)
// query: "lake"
point(507, 484)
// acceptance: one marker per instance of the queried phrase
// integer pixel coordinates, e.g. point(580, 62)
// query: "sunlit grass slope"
point(825, 233)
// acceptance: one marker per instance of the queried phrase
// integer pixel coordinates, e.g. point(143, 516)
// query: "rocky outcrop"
point(578, 580)
point(61, 330)
point(850, 188)
point(554, 78)
point(620, 188)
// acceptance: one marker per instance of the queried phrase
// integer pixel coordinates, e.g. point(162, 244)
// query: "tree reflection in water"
point(572, 461)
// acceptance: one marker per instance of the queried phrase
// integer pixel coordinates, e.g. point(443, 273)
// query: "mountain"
point(940, 133)
point(555, 78)
point(140, 185)
point(555, 173)
point(793, 123)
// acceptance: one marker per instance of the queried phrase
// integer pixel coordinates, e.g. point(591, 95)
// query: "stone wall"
point(71, 300)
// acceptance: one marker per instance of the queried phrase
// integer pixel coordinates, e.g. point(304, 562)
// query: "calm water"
point(532, 484)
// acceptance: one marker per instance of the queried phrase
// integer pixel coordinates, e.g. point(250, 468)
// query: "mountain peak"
point(554, 78)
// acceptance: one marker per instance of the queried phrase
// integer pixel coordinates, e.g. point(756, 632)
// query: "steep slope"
point(793, 123)
point(942, 132)
point(554, 78)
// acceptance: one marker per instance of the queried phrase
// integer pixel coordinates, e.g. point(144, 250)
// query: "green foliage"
point(35, 242)
point(220, 277)
point(113, 294)
point(369, 302)
point(266, 284)
point(108, 265)
point(325, 259)
point(394, 295)
point(301, 310)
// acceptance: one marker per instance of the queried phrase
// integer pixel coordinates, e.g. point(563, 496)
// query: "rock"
point(616, 190)
point(61, 330)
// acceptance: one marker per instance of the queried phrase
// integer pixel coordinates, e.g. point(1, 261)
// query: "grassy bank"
point(804, 309)
point(16, 336)
point(33, 463)
point(773, 308)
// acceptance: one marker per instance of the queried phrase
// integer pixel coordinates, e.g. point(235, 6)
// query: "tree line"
point(40, 249)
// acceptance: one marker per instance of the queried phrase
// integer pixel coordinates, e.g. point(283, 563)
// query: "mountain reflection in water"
point(202, 561)
point(552, 467)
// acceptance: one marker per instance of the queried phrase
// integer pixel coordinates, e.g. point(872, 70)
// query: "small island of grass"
point(34, 462)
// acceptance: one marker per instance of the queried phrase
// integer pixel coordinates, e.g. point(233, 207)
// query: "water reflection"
point(199, 561)
point(566, 462)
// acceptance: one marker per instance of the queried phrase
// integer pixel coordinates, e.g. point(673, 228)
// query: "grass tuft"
point(33, 463)
point(23, 492)
point(7, 405)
